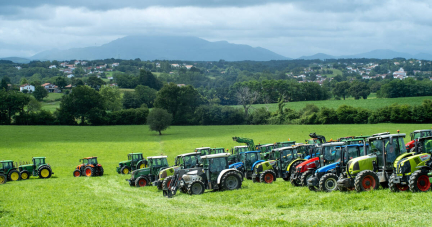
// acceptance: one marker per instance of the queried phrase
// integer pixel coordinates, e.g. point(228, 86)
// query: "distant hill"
point(378, 54)
point(16, 59)
point(164, 48)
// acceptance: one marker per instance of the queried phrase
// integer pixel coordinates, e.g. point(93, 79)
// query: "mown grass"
point(109, 201)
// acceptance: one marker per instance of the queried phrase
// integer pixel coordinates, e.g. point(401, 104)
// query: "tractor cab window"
point(377, 148)
point(218, 164)
point(426, 146)
point(251, 158)
point(92, 161)
point(7, 165)
point(204, 152)
point(242, 157)
point(129, 157)
point(331, 154)
point(190, 161)
point(137, 157)
point(160, 161)
point(350, 153)
point(180, 161)
point(287, 155)
point(85, 161)
point(426, 133)
point(39, 161)
point(206, 163)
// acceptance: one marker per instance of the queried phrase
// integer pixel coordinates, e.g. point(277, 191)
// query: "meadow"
point(110, 201)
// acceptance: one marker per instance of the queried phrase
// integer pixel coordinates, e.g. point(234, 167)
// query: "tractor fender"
point(293, 161)
point(236, 165)
point(327, 168)
point(256, 163)
point(225, 171)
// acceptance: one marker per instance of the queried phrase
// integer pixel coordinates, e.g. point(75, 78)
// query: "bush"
point(218, 115)
point(129, 117)
point(42, 117)
point(259, 116)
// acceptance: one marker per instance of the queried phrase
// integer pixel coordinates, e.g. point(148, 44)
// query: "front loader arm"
point(249, 142)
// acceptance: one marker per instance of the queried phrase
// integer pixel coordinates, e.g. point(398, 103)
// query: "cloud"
point(290, 28)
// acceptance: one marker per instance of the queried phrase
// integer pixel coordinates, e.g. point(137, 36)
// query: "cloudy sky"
point(291, 28)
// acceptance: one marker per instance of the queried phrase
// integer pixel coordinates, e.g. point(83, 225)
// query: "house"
point(113, 85)
point(396, 63)
point(399, 73)
point(109, 70)
point(83, 63)
point(416, 71)
point(63, 64)
point(70, 76)
point(28, 87)
point(189, 66)
point(69, 86)
point(175, 65)
point(70, 66)
point(115, 64)
point(110, 78)
point(365, 77)
point(18, 67)
point(51, 88)
point(399, 77)
point(157, 65)
point(77, 62)
point(52, 67)
point(181, 85)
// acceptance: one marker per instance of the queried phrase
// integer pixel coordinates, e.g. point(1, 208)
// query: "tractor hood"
point(307, 162)
point(140, 172)
point(125, 162)
point(359, 164)
point(236, 165)
point(327, 168)
point(410, 144)
point(28, 165)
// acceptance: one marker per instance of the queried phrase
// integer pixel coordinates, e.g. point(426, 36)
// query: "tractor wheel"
point(293, 167)
point(125, 170)
point(366, 180)
point(255, 179)
point(141, 182)
point(131, 183)
point(89, 172)
point(3, 179)
point(196, 188)
point(305, 177)
point(230, 181)
point(394, 187)
point(14, 175)
point(328, 182)
point(25, 175)
point(294, 181)
point(184, 189)
point(76, 173)
point(342, 189)
point(268, 176)
point(166, 183)
point(141, 165)
point(101, 171)
point(44, 172)
point(419, 182)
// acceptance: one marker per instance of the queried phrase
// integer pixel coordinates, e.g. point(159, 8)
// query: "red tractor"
point(415, 136)
point(89, 168)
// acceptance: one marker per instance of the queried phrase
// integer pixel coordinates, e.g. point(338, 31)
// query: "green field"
point(110, 201)
point(371, 103)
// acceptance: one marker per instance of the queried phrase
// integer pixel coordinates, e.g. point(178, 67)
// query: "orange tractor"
point(89, 168)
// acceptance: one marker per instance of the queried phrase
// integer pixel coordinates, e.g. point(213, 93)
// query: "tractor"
point(215, 175)
point(265, 150)
point(415, 136)
point(8, 172)
point(325, 178)
point(135, 161)
point(235, 151)
point(190, 161)
point(366, 173)
point(89, 168)
point(412, 170)
point(281, 163)
point(316, 139)
point(247, 161)
point(324, 155)
point(38, 168)
point(217, 150)
point(203, 150)
point(145, 177)
point(284, 144)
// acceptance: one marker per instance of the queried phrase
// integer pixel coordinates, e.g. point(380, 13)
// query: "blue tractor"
point(247, 161)
point(325, 178)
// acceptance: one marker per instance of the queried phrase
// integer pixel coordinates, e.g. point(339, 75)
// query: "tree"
point(95, 82)
point(246, 98)
point(131, 100)
point(61, 82)
point(40, 93)
point(146, 95)
point(159, 120)
point(34, 105)
point(23, 81)
point(80, 102)
point(359, 89)
point(11, 103)
point(3, 84)
point(341, 89)
point(112, 96)
point(147, 78)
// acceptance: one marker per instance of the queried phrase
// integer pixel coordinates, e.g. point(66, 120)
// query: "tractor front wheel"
point(328, 182)
point(268, 176)
point(25, 175)
point(141, 165)
point(3, 179)
point(197, 188)
point(305, 177)
point(76, 173)
point(89, 172)
point(44, 172)
point(395, 187)
point(125, 170)
point(231, 181)
point(166, 183)
point(141, 182)
point(14, 175)
point(366, 180)
point(419, 182)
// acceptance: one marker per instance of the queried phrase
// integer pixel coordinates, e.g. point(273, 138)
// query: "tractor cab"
point(355, 141)
point(265, 150)
point(218, 150)
point(8, 172)
point(156, 163)
point(203, 150)
point(284, 144)
point(247, 161)
point(135, 161)
point(89, 161)
point(6, 165)
point(416, 135)
point(189, 160)
point(235, 152)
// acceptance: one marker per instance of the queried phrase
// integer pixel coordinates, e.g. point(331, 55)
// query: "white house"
point(175, 65)
point(18, 67)
point(27, 87)
point(189, 66)
point(115, 64)
point(52, 66)
point(70, 76)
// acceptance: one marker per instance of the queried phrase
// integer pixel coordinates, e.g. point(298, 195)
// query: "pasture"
point(109, 200)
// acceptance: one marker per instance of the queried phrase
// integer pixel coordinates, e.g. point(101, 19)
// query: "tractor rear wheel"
point(44, 172)
point(101, 171)
point(3, 179)
point(366, 180)
point(76, 173)
point(141, 182)
point(419, 182)
point(89, 172)
point(14, 175)
point(268, 176)
point(328, 182)
point(125, 170)
point(293, 167)
point(141, 165)
point(305, 177)
point(25, 175)
point(230, 181)
point(196, 188)
point(294, 181)
point(166, 183)
point(395, 187)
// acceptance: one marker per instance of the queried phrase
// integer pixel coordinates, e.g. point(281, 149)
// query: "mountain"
point(378, 54)
point(16, 59)
point(164, 48)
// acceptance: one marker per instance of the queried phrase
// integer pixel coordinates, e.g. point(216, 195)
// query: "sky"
point(291, 28)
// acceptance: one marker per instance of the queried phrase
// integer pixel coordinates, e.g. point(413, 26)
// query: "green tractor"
point(8, 172)
point(215, 175)
point(203, 150)
point(368, 172)
point(265, 150)
point(218, 150)
point(39, 168)
point(189, 161)
point(412, 170)
point(284, 144)
point(144, 177)
point(235, 153)
point(135, 161)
